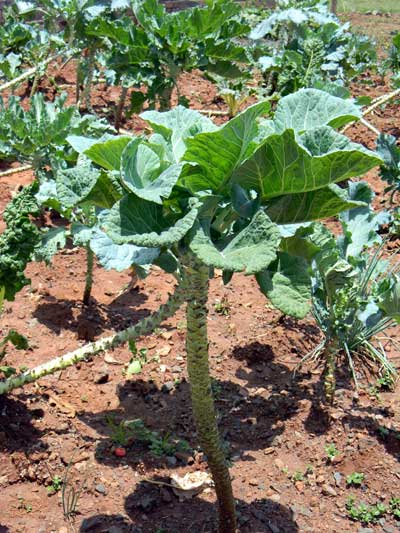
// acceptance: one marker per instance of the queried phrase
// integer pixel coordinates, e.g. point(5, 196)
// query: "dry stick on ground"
point(11, 171)
point(144, 327)
point(376, 103)
point(28, 74)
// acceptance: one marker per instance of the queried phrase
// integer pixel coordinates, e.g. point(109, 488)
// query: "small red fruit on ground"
point(120, 452)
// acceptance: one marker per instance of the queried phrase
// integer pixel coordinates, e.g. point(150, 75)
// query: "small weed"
point(158, 445)
point(222, 307)
point(331, 451)
point(355, 479)
point(120, 433)
point(56, 484)
point(298, 476)
point(366, 514)
point(24, 505)
point(394, 505)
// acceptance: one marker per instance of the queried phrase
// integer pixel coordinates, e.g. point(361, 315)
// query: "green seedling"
point(355, 479)
point(366, 514)
point(331, 451)
point(56, 484)
point(394, 505)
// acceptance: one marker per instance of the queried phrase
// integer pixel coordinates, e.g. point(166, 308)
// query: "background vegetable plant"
point(209, 197)
point(355, 293)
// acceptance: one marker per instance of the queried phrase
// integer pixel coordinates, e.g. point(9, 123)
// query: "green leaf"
point(391, 302)
point(287, 284)
point(120, 256)
point(81, 234)
point(134, 367)
point(310, 108)
point(74, 184)
point(252, 250)
point(143, 223)
point(142, 172)
point(218, 153)
point(106, 192)
point(310, 206)
point(177, 126)
point(108, 154)
point(283, 165)
point(53, 240)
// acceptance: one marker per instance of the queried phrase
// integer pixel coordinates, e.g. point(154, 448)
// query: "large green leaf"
point(52, 240)
point(218, 153)
point(390, 304)
point(136, 221)
point(178, 125)
point(287, 284)
point(309, 206)
point(284, 165)
point(142, 172)
point(74, 184)
point(252, 250)
point(106, 192)
point(119, 256)
point(108, 154)
point(310, 108)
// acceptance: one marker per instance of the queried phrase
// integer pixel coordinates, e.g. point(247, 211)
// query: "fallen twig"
point(16, 170)
point(376, 103)
point(28, 74)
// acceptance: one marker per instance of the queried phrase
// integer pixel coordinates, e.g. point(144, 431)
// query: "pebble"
point(100, 488)
point(279, 464)
point(101, 377)
point(168, 387)
point(172, 460)
point(254, 482)
point(327, 490)
point(275, 497)
point(338, 478)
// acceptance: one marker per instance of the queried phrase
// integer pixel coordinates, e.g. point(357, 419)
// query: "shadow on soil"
point(93, 319)
point(16, 423)
point(156, 508)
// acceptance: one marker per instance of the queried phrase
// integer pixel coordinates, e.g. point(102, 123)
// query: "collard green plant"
point(156, 50)
point(390, 170)
point(38, 136)
point(355, 293)
point(306, 46)
point(81, 195)
point(228, 197)
point(222, 197)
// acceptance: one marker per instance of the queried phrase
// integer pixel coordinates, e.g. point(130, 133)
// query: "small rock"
point(168, 387)
point(101, 377)
point(338, 478)
point(365, 530)
point(100, 488)
point(327, 490)
point(275, 497)
point(389, 529)
point(176, 369)
point(253, 482)
point(279, 463)
point(171, 460)
point(185, 457)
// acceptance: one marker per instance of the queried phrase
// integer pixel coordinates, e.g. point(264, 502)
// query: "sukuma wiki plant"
point(355, 292)
point(202, 197)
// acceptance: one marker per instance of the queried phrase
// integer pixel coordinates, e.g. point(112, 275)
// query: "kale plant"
point(38, 136)
point(390, 170)
point(227, 197)
point(307, 45)
point(356, 293)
